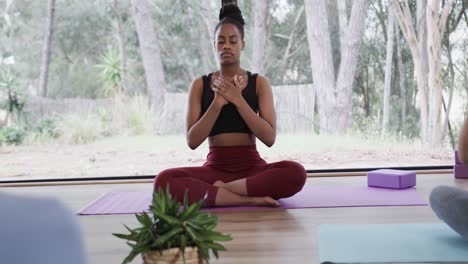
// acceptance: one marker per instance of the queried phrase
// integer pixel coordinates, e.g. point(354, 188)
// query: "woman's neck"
point(230, 70)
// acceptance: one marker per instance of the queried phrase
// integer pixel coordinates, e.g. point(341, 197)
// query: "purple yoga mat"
point(311, 196)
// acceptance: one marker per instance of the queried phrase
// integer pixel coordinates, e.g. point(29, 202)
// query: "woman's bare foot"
point(218, 184)
point(237, 187)
point(265, 201)
point(226, 198)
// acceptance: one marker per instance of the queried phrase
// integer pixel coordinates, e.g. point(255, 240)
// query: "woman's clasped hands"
point(228, 89)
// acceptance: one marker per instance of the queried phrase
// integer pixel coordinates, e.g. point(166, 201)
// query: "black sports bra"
point(229, 120)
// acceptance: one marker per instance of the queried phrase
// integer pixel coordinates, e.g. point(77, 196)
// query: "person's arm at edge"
point(198, 128)
point(263, 125)
point(463, 143)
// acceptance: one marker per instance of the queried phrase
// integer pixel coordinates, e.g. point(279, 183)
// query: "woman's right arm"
point(463, 143)
point(199, 127)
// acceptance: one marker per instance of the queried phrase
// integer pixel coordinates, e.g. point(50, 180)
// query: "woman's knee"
point(163, 178)
point(297, 175)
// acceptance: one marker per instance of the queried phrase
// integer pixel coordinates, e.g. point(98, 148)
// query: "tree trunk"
point(207, 17)
point(259, 35)
point(292, 42)
point(350, 47)
point(334, 97)
point(388, 69)
point(422, 69)
point(321, 63)
point(6, 15)
point(150, 52)
point(402, 81)
point(417, 46)
point(46, 49)
point(418, 49)
point(451, 69)
point(121, 41)
point(433, 50)
point(435, 30)
point(380, 12)
point(367, 95)
point(426, 57)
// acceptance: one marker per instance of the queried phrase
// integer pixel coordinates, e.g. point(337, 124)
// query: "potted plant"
point(174, 234)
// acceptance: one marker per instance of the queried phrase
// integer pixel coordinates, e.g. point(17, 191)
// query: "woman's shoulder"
point(261, 81)
point(198, 83)
point(256, 75)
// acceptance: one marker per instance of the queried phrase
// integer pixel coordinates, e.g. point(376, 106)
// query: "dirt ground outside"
point(147, 155)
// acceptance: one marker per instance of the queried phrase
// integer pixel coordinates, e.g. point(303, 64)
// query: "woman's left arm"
point(263, 125)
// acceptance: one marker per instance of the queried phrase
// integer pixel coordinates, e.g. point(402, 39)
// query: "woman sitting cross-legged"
point(232, 107)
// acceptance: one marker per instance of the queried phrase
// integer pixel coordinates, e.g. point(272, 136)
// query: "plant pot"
point(173, 256)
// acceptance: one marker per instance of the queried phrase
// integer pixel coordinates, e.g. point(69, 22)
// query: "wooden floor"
point(271, 236)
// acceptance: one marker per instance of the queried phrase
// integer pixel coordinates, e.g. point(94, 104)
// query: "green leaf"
point(126, 237)
point(192, 234)
point(147, 220)
point(215, 252)
point(214, 245)
point(211, 226)
point(130, 257)
point(168, 192)
point(162, 239)
point(203, 250)
point(139, 217)
point(195, 226)
point(183, 241)
point(132, 236)
point(186, 199)
point(204, 217)
point(171, 220)
point(191, 209)
point(215, 236)
point(133, 246)
point(173, 207)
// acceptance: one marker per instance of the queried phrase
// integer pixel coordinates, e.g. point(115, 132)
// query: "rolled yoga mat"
point(390, 243)
point(310, 196)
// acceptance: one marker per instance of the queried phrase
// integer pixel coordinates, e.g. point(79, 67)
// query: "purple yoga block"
point(457, 159)
point(460, 171)
point(393, 179)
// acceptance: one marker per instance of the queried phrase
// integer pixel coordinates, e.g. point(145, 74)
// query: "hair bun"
point(231, 11)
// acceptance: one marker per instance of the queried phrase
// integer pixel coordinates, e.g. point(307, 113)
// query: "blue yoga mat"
point(380, 243)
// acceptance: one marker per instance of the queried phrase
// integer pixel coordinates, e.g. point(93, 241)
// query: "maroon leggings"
point(278, 180)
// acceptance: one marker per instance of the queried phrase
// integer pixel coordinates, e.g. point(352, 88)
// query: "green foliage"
point(15, 98)
point(75, 129)
point(411, 127)
point(140, 116)
point(288, 66)
point(110, 71)
point(79, 79)
point(48, 126)
point(127, 116)
point(12, 136)
point(185, 40)
point(366, 127)
point(7, 79)
point(124, 116)
point(82, 32)
point(174, 227)
point(44, 131)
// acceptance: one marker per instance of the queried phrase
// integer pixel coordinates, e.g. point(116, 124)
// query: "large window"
point(350, 92)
